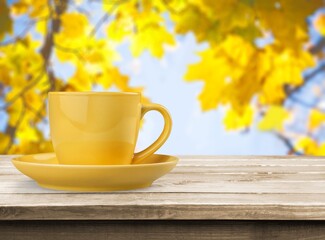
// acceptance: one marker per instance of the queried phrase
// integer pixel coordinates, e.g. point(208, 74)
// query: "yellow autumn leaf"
point(20, 7)
point(41, 27)
point(152, 38)
point(239, 16)
point(31, 147)
point(34, 8)
point(213, 71)
point(14, 110)
point(109, 76)
point(5, 20)
point(234, 120)
point(286, 19)
point(285, 67)
point(74, 25)
point(28, 133)
point(307, 145)
point(86, 50)
point(103, 78)
point(212, 21)
point(121, 27)
point(81, 80)
point(121, 81)
point(216, 9)
point(39, 8)
point(321, 150)
point(192, 19)
point(229, 14)
point(319, 23)
point(222, 69)
point(316, 118)
point(273, 118)
point(99, 52)
point(34, 99)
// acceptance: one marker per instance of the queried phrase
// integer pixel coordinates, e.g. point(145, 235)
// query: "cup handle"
point(138, 157)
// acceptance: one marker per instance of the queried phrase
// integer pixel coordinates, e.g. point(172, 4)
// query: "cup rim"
point(95, 93)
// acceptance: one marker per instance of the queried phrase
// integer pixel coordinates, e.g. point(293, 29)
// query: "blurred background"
point(238, 76)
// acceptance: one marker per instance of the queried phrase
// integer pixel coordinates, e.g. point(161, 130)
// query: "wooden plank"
point(158, 199)
point(187, 185)
point(161, 230)
point(209, 188)
point(162, 206)
point(177, 178)
point(179, 212)
point(249, 169)
point(249, 157)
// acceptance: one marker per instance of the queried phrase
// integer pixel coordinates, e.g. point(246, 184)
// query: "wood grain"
point(200, 187)
point(162, 230)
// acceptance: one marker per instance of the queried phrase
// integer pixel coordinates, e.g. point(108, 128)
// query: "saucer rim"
point(173, 160)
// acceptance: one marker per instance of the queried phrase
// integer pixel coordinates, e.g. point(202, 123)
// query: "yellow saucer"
point(46, 171)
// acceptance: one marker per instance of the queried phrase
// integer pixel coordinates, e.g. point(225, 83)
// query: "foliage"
point(253, 81)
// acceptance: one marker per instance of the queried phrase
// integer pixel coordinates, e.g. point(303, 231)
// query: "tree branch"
point(288, 144)
point(23, 32)
point(317, 47)
point(47, 48)
point(99, 24)
point(78, 8)
point(11, 130)
point(105, 17)
point(305, 104)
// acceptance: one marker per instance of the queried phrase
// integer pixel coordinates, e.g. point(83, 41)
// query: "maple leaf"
point(152, 38)
point(286, 19)
point(307, 145)
point(284, 67)
point(316, 118)
point(20, 7)
point(194, 20)
point(274, 118)
point(74, 25)
point(28, 133)
point(310, 147)
point(221, 69)
point(121, 27)
point(234, 120)
point(81, 81)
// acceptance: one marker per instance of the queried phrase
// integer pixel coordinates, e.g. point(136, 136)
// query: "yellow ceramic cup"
point(100, 127)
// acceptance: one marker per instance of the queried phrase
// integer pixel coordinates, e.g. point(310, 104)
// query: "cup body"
point(94, 128)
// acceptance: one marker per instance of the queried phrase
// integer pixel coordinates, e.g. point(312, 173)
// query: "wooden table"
point(203, 198)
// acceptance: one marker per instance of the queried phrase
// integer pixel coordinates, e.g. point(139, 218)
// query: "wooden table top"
point(200, 187)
